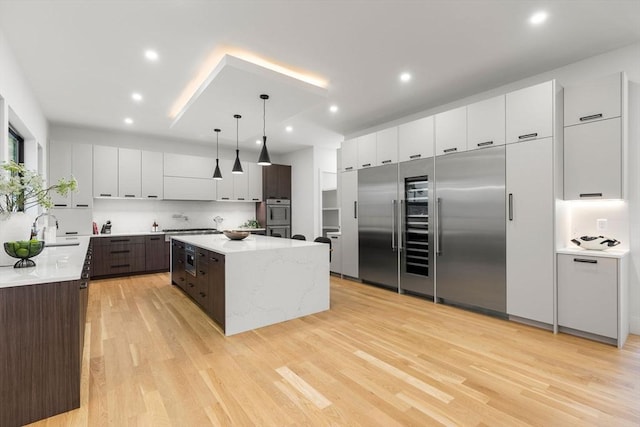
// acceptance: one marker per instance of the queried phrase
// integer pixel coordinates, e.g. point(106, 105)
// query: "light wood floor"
point(152, 358)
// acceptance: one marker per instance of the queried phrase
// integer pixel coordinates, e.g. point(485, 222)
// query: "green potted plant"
point(20, 190)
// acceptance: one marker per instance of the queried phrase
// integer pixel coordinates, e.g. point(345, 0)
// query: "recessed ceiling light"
point(538, 18)
point(136, 96)
point(128, 120)
point(288, 129)
point(151, 55)
point(405, 77)
point(333, 108)
point(258, 142)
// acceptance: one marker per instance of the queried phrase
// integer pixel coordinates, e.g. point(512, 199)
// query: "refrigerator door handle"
point(393, 224)
point(401, 226)
point(355, 209)
point(510, 206)
point(438, 218)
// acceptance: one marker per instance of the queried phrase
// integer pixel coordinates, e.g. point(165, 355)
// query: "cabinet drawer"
point(116, 240)
point(597, 100)
point(588, 294)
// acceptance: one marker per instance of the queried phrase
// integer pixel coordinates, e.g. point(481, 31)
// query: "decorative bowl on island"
point(236, 234)
point(24, 250)
point(595, 243)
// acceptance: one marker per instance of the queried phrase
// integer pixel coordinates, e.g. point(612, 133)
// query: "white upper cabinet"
point(415, 139)
point(593, 163)
point(485, 123)
point(367, 151)
point(189, 166)
point(224, 186)
point(67, 160)
point(183, 188)
point(596, 100)
point(349, 155)
point(451, 131)
point(105, 171)
point(241, 184)
point(387, 146)
point(129, 172)
point(255, 182)
point(529, 112)
point(152, 172)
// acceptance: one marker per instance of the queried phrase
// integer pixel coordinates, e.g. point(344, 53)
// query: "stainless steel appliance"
point(416, 233)
point(471, 242)
point(378, 225)
point(190, 259)
point(275, 214)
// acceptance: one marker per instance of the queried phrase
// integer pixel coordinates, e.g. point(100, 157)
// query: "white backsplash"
point(132, 215)
point(585, 214)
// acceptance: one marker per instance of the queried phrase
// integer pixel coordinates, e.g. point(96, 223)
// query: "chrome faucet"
point(34, 227)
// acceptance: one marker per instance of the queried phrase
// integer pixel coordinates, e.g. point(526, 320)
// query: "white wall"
point(623, 217)
point(304, 215)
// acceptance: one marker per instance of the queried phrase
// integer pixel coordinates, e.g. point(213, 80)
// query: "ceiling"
point(84, 59)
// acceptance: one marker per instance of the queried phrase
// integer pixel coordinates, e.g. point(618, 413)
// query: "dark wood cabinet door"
point(216, 307)
point(177, 264)
point(276, 182)
point(284, 181)
point(155, 257)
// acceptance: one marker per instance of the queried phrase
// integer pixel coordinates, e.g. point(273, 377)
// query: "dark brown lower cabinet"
point(178, 274)
point(207, 287)
point(41, 336)
point(124, 255)
point(156, 256)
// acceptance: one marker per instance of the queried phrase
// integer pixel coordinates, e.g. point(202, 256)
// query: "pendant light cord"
point(264, 117)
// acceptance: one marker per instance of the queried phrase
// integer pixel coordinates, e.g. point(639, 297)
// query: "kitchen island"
point(42, 321)
point(250, 283)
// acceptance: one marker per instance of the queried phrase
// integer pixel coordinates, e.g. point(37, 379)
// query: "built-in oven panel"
point(278, 215)
point(190, 259)
point(283, 231)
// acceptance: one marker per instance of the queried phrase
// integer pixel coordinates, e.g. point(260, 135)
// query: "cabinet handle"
point(202, 272)
point(588, 261)
point(202, 294)
point(484, 144)
point(60, 205)
point(190, 284)
point(213, 259)
point(70, 232)
point(82, 206)
point(121, 252)
point(450, 150)
point(120, 265)
point(510, 206)
point(129, 195)
point(355, 209)
point(334, 237)
point(348, 168)
point(529, 135)
point(224, 198)
point(415, 156)
point(105, 194)
point(84, 285)
point(384, 162)
point(240, 198)
point(154, 238)
point(84, 276)
point(366, 165)
point(119, 240)
point(590, 194)
point(152, 197)
point(591, 117)
point(255, 199)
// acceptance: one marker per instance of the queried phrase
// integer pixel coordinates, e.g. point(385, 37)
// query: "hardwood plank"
point(153, 358)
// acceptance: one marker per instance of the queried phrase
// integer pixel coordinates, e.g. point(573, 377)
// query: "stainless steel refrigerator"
point(395, 236)
point(471, 241)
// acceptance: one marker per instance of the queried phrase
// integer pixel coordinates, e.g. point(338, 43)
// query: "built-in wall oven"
point(278, 212)
point(190, 259)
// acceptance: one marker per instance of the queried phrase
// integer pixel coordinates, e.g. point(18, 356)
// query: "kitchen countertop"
point(54, 264)
point(607, 253)
point(221, 244)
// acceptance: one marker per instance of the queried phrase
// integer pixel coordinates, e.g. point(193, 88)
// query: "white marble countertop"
point(221, 244)
point(53, 264)
point(607, 253)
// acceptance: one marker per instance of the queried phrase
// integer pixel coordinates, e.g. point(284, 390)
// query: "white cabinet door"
point(416, 139)
point(105, 171)
point(349, 222)
point(182, 188)
point(255, 182)
point(530, 238)
point(529, 112)
point(588, 294)
point(387, 146)
point(82, 170)
point(241, 183)
point(367, 151)
point(189, 166)
point(152, 172)
point(129, 172)
point(349, 155)
point(597, 100)
point(485, 123)
point(336, 253)
point(593, 160)
point(451, 131)
point(225, 185)
point(60, 167)
point(74, 222)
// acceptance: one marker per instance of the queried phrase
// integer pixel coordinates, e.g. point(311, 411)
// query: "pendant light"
point(264, 159)
point(237, 167)
point(217, 175)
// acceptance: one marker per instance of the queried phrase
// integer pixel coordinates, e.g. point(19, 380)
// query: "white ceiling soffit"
point(235, 84)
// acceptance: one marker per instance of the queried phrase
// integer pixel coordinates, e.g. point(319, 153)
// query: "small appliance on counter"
point(106, 228)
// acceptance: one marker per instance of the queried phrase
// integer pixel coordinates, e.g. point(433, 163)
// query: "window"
point(16, 146)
